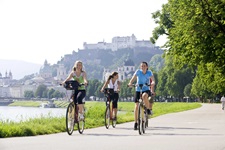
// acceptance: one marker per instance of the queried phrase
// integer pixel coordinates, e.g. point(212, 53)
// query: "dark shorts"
point(114, 99)
point(137, 95)
point(79, 95)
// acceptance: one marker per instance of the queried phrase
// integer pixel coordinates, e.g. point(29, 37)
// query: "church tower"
point(61, 72)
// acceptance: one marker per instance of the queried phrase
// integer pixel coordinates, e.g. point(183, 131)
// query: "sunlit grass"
point(94, 118)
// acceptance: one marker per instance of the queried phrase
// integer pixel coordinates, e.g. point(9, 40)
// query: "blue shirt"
point(143, 79)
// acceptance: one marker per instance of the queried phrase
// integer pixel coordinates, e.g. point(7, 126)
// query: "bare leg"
point(81, 108)
point(135, 112)
point(145, 98)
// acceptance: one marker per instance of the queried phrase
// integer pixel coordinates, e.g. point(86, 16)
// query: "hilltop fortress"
point(100, 53)
point(121, 43)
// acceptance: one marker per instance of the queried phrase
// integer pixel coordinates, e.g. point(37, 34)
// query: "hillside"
point(18, 68)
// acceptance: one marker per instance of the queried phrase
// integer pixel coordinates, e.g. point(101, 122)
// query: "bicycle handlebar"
point(71, 85)
point(139, 85)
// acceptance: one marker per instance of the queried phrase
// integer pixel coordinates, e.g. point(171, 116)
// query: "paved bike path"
point(199, 129)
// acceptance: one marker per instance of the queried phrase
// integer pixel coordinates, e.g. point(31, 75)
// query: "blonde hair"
point(75, 65)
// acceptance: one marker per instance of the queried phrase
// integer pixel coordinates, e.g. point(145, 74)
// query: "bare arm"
point(106, 83)
point(132, 80)
point(153, 85)
point(118, 88)
point(85, 78)
point(70, 76)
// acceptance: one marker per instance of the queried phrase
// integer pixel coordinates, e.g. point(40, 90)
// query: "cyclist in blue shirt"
point(143, 76)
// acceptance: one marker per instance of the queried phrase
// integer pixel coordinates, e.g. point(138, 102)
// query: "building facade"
point(120, 43)
point(124, 72)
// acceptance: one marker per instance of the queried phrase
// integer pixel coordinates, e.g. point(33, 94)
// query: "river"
point(17, 113)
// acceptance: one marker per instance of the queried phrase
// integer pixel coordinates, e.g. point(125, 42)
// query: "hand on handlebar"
point(153, 93)
point(130, 85)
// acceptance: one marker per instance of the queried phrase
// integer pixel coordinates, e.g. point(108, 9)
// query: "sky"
point(39, 30)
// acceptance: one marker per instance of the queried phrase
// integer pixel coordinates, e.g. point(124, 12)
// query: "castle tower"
point(6, 74)
point(10, 75)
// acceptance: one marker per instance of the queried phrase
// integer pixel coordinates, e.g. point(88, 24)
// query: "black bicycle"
point(109, 108)
point(143, 117)
point(72, 115)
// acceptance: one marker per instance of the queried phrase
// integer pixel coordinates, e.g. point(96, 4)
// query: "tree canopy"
point(196, 37)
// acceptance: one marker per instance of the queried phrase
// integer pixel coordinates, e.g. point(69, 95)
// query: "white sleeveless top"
point(113, 86)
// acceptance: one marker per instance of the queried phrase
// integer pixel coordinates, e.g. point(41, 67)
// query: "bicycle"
point(72, 115)
point(143, 117)
point(109, 108)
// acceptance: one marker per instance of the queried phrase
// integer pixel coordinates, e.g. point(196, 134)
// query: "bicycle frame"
point(142, 112)
point(109, 109)
point(72, 115)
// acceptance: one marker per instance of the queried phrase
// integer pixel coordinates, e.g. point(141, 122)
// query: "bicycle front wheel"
point(114, 122)
point(107, 117)
point(80, 125)
point(140, 120)
point(70, 117)
point(146, 118)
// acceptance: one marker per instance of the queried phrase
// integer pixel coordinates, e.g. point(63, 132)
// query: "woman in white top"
point(114, 84)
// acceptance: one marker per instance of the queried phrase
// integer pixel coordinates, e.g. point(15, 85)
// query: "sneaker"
point(81, 116)
point(135, 126)
point(149, 112)
point(114, 119)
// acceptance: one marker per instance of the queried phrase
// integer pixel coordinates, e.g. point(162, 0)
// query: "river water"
point(18, 113)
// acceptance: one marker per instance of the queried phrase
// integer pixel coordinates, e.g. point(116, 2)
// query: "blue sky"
point(35, 30)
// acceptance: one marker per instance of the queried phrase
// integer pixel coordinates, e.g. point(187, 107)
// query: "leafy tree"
point(195, 30)
point(29, 94)
point(50, 93)
point(156, 62)
point(187, 90)
point(40, 91)
point(57, 94)
point(93, 88)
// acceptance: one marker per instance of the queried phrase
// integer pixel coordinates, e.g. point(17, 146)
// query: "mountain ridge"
point(18, 68)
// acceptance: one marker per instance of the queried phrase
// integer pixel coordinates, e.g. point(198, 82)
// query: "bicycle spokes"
point(70, 119)
point(107, 117)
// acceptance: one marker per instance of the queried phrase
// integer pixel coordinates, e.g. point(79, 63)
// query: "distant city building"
point(121, 43)
point(124, 72)
point(90, 54)
point(46, 71)
point(61, 73)
point(5, 83)
point(6, 79)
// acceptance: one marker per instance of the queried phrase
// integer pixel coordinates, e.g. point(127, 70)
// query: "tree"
point(187, 90)
point(28, 94)
point(40, 91)
point(156, 62)
point(196, 37)
point(50, 93)
point(172, 81)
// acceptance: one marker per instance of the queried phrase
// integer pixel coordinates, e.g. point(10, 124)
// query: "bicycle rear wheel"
point(70, 117)
point(140, 122)
point(107, 117)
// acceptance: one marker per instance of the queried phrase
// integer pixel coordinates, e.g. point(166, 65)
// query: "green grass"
point(94, 118)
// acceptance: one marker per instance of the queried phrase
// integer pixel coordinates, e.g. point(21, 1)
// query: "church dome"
point(38, 79)
point(128, 62)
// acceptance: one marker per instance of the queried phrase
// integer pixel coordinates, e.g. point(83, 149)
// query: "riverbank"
point(94, 118)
